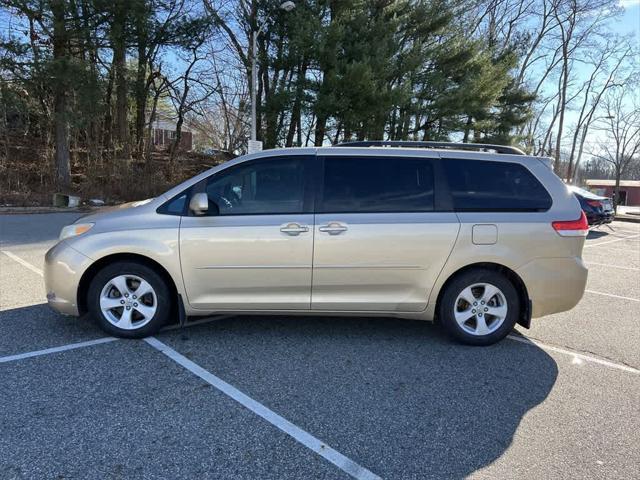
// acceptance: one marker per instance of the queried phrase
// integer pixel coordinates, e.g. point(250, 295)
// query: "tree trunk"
point(152, 117)
point(299, 129)
point(61, 119)
point(119, 64)
point(297, 104)
point(321, 126)
point(141, 83)
point(570, 167)
point(338, 132)
point(175, 145)
point(562, 101)
point(576, 167)
point(107, 135)
point(259, 95)
point(63, 164)
point(93, 130)
point(347, 133)
point(616, 190)
point(467, 129)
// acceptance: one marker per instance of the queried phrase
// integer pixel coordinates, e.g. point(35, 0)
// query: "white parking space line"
point(610, 241)
point(608, 250)
point(613, 296)
point(339, 460)
point(575, 355)
point(98, 341)
point(614, 266)
point(630, 229)
point(22, 262)
point(63, 348)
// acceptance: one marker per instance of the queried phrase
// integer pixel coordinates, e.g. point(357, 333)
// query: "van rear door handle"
point(333, 228)
point(294, 229)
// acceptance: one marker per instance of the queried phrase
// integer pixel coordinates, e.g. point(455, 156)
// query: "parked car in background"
point(599, 210)
point(477, 240)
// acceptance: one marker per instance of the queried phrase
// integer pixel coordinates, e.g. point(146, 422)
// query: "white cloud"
point(629, 3)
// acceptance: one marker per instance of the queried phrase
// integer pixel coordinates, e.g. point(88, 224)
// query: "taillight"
point(595, 203)
point(572, 228)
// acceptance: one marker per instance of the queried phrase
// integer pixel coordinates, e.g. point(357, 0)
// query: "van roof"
point(478, 151)
point(478, 147)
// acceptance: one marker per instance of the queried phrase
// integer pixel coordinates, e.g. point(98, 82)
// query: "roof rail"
point(443, 145)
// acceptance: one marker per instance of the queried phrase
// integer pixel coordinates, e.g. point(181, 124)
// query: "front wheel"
point(129, 300)
point(479, 307)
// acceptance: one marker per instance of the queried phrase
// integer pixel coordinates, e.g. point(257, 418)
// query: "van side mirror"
point(199, 203)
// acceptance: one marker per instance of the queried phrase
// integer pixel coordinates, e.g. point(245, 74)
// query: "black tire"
point(162, 299)
point(456, 287)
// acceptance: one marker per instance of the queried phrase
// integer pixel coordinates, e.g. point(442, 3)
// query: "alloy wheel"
point(480, 309)
point(128, 302)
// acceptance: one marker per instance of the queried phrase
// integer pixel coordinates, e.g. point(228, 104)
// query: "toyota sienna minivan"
point(475, 237)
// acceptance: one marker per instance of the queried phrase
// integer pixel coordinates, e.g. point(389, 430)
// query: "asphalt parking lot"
point(294, 397)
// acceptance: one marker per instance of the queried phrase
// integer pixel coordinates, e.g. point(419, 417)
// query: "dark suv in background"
point(599, 210)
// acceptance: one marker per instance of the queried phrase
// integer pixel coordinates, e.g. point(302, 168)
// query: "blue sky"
point(630, 21)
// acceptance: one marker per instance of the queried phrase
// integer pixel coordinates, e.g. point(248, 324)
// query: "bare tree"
point(578, 22)
point(606, 60)
point(151, 40)
point(187, 92)
point(621, 123)
point(222, 121)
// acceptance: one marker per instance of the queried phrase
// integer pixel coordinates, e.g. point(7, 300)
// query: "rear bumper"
point(63, 269)
point(554, 284)
point(600, 218)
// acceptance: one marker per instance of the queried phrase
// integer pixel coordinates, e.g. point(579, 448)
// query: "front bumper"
point(63, 269)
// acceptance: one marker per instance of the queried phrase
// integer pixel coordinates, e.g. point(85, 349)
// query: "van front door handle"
point(294, 229)
point(333, 228)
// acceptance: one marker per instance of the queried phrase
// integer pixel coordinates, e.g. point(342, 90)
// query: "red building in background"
point(629, 190)
point(163, 134)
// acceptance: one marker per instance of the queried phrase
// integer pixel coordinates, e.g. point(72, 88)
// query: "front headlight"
point(75, 230)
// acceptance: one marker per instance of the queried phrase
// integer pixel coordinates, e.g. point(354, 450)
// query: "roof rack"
point(444, 145)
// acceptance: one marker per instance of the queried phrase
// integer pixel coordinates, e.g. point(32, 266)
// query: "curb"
point(628, 218)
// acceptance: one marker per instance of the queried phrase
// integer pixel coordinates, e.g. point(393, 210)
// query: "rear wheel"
point(479, 307)
point(129, 300)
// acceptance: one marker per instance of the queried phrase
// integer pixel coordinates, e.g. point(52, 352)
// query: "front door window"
point(270, 186)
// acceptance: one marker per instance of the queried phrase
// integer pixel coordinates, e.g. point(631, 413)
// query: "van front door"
point(253, 250)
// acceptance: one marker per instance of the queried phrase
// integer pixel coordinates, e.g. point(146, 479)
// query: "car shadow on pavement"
point(397, 396)
point(593, 234)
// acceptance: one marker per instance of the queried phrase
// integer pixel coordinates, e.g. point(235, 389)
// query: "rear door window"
point(481, 186)
point(377, 184)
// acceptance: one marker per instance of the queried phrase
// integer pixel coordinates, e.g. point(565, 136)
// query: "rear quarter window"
point(481, 186)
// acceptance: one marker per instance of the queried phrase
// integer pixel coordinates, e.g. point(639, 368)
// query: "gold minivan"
point(476, 237)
